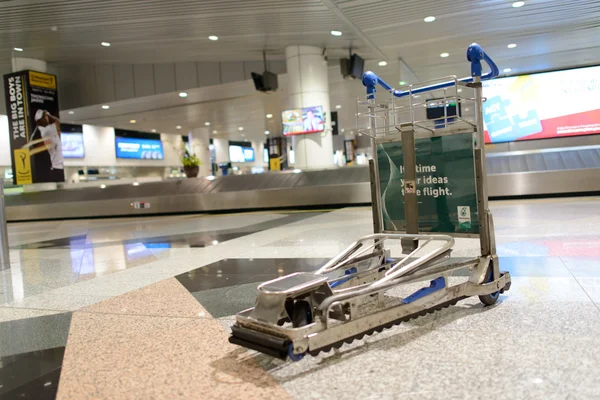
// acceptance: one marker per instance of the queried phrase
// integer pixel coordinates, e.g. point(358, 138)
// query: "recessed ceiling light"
point(154, 130)
point(267, 132)
point(105, 106)
point(402, 83)
point(429, 19)
point(444, 55)
point(182, 94)
point(71, 112)
point(269, 115)
point(245, 140)
point(338, 106)
point(103, 186)
point(214, 132)
point(54, 28)
point(18, 49)
point(105, 44)
point(336, 33)
point(512, 45)
point(213, 37)
point(382, 63)
point(136, 183)
point(518, 4)
point(207, 123)
point(178, 127)
point(241, 128)
point(132, 121)
point(506, 70)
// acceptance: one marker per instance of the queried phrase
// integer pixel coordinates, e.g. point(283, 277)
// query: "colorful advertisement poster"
point(542, 106)
point(34, 126)
point(72, 145)
point(302, 121)
point(142, 149)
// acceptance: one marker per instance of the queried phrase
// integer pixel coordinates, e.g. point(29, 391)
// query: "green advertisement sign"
point(447, 199)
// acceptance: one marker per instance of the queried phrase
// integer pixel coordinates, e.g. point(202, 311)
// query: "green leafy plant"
point(190, 160)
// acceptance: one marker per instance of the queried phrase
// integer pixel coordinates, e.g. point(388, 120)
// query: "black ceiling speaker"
point(267, 82)
point(352, 68)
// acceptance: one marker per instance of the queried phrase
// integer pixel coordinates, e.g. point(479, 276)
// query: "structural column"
point(308, 87)
point(199, 141)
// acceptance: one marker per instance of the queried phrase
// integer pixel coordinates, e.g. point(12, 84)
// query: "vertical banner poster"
point(445, 185)
point(34, 127)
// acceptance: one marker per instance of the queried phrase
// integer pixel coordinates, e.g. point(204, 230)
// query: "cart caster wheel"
point(294, 357)
point(492, 298)
point(301, 314)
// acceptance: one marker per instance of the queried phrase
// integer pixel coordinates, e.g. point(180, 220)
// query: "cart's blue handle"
point(474, 54)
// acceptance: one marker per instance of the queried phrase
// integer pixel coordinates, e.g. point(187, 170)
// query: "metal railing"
point(4, 255)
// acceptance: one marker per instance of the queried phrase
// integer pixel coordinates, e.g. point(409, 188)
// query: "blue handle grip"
point(474, 54)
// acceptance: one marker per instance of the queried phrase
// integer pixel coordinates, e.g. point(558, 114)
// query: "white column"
point(308, 86)
point(21, 64)
point(199, 141)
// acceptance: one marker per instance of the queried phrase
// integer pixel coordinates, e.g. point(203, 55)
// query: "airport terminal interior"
point(316, 199)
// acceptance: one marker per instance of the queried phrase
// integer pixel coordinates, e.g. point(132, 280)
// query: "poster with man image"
point(34, 127)
point(303, 121)
point(542, 106)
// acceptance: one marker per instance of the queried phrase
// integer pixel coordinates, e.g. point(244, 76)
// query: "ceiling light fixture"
point(207, 123)
point(18, 49)
point(105, 106)
point(338, 106)
point(136, 183)
point(71, 112)
point(518, 4)
point(336, 33)
point(213, 37)
point(269, 115)
point(507, 70)
point(429, 19)
point(402, 83)
point(512, 45)
point(444, 55)
point(382, 63)
point(267, 132)
point(103, 186)
point(132, 121)
point(153, 130)
point(241, 128)
point(105, 44)
point(183, 94)
point(215, 132)
point(178, 127)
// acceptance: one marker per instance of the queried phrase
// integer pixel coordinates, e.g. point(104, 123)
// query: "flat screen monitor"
point(300, 121)
point(141, 149)
point(72, 145)
point(241, 154)
point(541, 106)
point(266, 156)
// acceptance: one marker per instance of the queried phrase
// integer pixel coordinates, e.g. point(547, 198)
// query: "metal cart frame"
point(346, 298)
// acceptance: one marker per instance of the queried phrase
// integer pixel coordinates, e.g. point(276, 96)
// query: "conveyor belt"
point(525, 173)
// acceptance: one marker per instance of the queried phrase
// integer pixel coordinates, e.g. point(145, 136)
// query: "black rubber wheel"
point(492, 298)
point(301, 314)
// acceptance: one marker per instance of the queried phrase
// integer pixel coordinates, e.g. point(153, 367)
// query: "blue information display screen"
point(72, 145)
point(241, 154)
point(143, 149)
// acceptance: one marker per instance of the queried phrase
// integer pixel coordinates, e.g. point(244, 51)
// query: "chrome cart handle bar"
point(475, 55)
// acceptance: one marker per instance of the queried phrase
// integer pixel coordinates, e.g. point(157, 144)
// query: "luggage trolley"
point(428, 184)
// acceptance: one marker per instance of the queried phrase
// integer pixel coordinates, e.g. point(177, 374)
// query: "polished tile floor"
point(140, 308)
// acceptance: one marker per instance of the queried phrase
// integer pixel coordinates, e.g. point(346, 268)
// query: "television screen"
point(303, 120)
point(265, 155)
point(241, 153)
point(541, 106)
point(143, 149)
point(72, 145)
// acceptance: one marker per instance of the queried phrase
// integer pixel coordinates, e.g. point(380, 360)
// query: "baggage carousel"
point(553, 171)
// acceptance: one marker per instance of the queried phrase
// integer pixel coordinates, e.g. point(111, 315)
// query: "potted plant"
point(191, 164)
